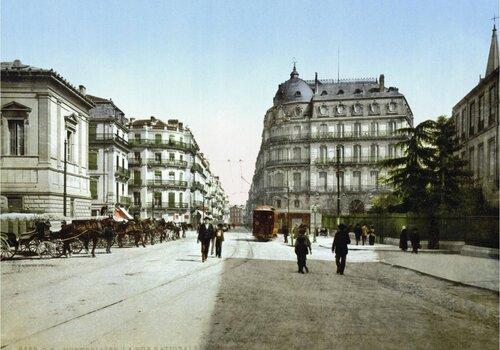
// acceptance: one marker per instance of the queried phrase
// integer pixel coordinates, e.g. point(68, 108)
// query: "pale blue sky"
point(216, 64)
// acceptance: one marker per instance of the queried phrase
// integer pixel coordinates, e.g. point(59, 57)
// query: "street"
point(164, 296)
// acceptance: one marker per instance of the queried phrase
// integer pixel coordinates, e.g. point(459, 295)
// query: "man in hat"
point(205, 234)
point(302, 248)
point(339, 247)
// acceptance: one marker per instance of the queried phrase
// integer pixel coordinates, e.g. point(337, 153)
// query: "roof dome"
point(293, 90)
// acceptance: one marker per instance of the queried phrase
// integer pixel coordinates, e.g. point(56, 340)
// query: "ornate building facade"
point(44, 133)
point(318, 127)
point(476, 122)
point(108, 156)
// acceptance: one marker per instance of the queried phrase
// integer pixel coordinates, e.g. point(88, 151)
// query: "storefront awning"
point(121, 214)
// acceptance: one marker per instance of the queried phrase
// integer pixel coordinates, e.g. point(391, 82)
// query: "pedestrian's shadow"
point(188, 260)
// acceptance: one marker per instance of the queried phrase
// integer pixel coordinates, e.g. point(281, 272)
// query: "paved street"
point(163, 295)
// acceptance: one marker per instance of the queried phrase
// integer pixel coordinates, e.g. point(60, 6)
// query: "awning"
point(121, 214)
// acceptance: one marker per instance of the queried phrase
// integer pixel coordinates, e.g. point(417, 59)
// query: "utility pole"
point(338, 185)
point(65, 175)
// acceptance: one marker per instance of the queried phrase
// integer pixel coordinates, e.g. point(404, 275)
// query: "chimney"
point(316, 83)
point(381, 83)
point(153, 119)
point(16, 63)
point(82, 89)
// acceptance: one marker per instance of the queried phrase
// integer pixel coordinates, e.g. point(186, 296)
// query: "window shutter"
point(92, 161)
point(93, 188)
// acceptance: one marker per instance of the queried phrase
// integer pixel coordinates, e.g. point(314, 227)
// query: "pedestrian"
point(109, 236)
point(302, 248)
point(339, 247)
point(357, 233)
point(284, 230)
point(64, 235)
point(364, 233)
point(184, 227)
point(415, 240)
point(403, 239)
point(219, 238)
point(205, 234)
point(295, 231)
point(371, 236)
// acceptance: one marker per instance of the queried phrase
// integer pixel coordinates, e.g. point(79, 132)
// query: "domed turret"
point(293, 90)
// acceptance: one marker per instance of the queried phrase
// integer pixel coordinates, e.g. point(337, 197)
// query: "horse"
point(174, 228)
point(161, 229)
point(85, 230)
point(130, 228)
point(149, 227)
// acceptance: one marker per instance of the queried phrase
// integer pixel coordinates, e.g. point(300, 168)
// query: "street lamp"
point(338, 185)
point(314, 208)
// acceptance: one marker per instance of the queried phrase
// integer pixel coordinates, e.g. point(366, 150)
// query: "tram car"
point(265, 223)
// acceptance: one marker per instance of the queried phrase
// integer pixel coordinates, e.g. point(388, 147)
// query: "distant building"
point(476, 121)
point(41, 113)
point(108, 156)
point(309, 122)
point(237, 215)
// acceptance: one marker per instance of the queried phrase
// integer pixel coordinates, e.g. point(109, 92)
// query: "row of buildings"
point(65, 151)
point(318, 128)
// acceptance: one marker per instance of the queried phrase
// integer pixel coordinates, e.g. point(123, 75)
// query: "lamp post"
point(338, 185)
point(314, 209)
point(65, 176)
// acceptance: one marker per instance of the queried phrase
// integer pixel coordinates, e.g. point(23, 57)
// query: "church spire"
point(294, 73)
point(493, 55)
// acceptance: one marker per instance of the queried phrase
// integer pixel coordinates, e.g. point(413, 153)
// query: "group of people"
point(363, 232)
point(303, 247)
point(210, 236)
point(412, 235)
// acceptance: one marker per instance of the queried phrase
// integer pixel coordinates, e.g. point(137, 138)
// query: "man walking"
point(284, 230)
point(357, 232)
point(302, 247)
point(364, 233)
point(339, 247)
point(415, 240)
point(109, 236)
point(219, 238)
point(205, 234)
point(403, 239)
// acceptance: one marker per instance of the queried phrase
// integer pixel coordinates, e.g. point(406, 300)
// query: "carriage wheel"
point(54, 249)
point(8, 251)
point(32, 246)
point(43, 250)
point(76, 246)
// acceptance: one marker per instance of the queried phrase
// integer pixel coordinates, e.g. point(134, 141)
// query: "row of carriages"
point(52, 236)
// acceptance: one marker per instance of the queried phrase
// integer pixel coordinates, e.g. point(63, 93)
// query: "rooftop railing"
point(107, 137)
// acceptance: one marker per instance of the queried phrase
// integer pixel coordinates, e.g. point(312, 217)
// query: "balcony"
point(135, 183)
point(289, 138)
point(125, 200)
point(292, 161)
point(134, 162)
point(167, 205)
point(350, 188)
point(327, 136)
point(168, 184)
point(161, 144)
point(154, 162)
point(285, 189)
point(198, 186)
point(197, 168)
point(122, 173)
point(349, 160)
point(107, 138)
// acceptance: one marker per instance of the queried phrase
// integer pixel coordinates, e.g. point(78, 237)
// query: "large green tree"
point(410, 175)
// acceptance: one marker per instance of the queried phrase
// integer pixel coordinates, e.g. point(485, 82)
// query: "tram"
point(265, 223)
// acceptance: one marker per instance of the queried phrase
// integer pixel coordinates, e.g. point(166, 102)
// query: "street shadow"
point(190, 260)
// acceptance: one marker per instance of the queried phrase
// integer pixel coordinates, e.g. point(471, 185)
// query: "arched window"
point(358, 91)
point(298, 94)
point(340, 92)
point(296, 203)
point(323, 130)
point(323, 93)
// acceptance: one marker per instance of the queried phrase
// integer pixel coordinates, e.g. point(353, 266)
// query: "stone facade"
point(40, 112)
point(476, 121)
point(309, 122)
point(237, 215)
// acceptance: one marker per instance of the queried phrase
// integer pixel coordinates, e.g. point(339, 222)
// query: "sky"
point(216, 65)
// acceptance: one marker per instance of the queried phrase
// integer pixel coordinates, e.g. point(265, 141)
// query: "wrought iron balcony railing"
point(167, 183)
point(167, 144)
point(122, 173)
point(166, 205)
point(349, 160)
point(349, 188)
point(167, 163)
point(290, 161)
point(198, 186)
point(356, 135)
point(107, 138)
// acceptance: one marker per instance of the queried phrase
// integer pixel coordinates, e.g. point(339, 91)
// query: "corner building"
point(297, 163)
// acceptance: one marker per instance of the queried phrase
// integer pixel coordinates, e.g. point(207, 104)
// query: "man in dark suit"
point(339, 247)
point(205, 234)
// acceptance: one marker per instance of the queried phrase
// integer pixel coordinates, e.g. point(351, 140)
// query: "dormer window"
point(340, 92)
point(372, 90)
point(323, 93)
point(358, 91)
point(298, 94)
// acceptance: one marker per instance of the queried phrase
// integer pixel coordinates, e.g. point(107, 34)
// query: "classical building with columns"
point(476, 122)
point(41, 113)
point(296, 168)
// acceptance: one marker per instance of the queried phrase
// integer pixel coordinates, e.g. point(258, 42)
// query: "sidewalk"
point(478, 272)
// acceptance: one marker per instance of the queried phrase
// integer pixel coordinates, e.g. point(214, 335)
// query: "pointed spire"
point(294, 73)
point(493, 55)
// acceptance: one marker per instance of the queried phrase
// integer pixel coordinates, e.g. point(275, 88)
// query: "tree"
point(450, 176)
point(410, 175)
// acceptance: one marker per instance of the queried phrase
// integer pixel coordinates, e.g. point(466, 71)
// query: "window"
point(137, 156)
point(93, 188)
point(158, 157)
point(356, 180)
point(137, 198)
point(340, 92)
point(358, 91)
point(357, 153)
point(15, 203)
point(137, 137)
point(171, 199)
point(357, 129)
point(491, 157)
point(278, 203)
point(181, 199)
point(374, 151)
point(171, 176)
point(374, 128)
point(480, 160)
point(341, 179)
point(296, 203)
point(92, 160)
point(296, 130)
point(391, 150)
point(480, 111)
point(391, 126)
point(69, 145)
point(158, 176)
point(340, 152)
point(340, 130)
point(463, 115)
point(323, 153)
point(322, 181)
point(278, 178)
point(374, 178)
point(472, 118)
point(323, 130)
point(117, 161)
point(157, 199)
point(296, 153)
point(157, 138)
point(471, 158)
point(323, 93)
point(298, 94)
point(171, 156)
point(297, 178)
point(493, 105)
point(137, 177)
point(16, 135)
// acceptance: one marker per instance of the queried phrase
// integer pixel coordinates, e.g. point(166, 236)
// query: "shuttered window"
point(92, 160)
point(93, 188)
